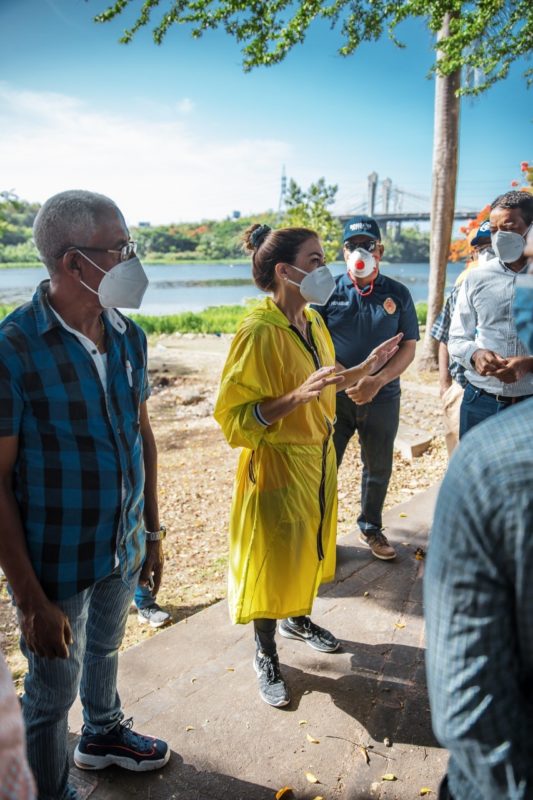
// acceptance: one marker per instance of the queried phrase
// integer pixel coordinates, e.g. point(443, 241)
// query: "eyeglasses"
point(126, 252)
point(369, 246)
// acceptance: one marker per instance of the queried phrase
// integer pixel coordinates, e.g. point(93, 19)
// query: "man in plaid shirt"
point(78, 486)
point(451, 374)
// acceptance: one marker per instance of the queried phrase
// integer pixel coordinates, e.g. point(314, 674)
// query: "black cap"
point(361, 226)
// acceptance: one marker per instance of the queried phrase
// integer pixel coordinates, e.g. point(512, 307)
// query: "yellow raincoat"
point(284, 511)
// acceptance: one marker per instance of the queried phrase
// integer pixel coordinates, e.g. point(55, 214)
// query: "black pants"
point(377, 426)
point(265, 632)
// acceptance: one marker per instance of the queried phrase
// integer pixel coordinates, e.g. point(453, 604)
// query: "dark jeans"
point(478, 406)
point(444, 790)
point(265, 632)
point(376, 425)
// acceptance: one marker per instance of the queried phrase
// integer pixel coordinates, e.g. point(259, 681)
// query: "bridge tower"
point(372, 188)
point(386, 191)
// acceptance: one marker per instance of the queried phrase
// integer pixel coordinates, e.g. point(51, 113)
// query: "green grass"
point(216, 319)
point(421, 312)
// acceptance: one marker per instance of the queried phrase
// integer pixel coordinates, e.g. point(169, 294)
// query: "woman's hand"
point(383, 353)
point(311, 388)
point(372, 364)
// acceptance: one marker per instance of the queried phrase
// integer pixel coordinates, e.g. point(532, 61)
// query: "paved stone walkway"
point(194, 685)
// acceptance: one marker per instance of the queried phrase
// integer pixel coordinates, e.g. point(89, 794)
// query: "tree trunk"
point(444, 179)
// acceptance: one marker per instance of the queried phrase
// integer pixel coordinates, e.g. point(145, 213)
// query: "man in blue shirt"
point(78, 486)
point(479, 601)
point(366, 309)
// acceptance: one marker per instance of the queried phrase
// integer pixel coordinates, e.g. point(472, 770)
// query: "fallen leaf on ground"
point(399, 624)
point(286, 792)
point(318, 797)
point(302, 722)
point(389, 777)
point(312, 739)
point(189, 728)
point(402, 514)
point(424, 791)
point(364, 753)
point(230, 669)
point(311, 778)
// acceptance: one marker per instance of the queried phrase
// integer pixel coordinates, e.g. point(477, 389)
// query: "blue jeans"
point(476, 407)
point(143, 597)
point(97, 617)
point(377, 426)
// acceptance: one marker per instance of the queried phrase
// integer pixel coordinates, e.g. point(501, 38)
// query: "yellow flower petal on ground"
point(425, 790)
point(399, 624)
point(285, 792)
point(189, 728)
point(389, 777)
point(312, 739)
point(403, 514)
point(302, 722)
point(311, 778)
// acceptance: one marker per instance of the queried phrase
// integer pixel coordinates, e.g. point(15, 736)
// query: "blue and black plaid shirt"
point(441, 332)
point(478, 594)
point(79, 475)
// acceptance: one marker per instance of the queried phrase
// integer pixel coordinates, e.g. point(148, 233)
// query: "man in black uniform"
point(365, 309)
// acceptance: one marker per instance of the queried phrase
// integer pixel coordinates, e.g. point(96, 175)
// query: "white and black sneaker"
point(272, 688)
point(154, 615)
point(316, 637)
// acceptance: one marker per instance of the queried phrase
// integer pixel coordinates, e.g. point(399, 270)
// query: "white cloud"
point(160, 171)
point(185, 106)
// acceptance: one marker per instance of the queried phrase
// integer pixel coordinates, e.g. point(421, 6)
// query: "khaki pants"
point(451, 405)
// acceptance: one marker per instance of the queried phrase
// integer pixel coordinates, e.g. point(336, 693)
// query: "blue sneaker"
point(123, 747)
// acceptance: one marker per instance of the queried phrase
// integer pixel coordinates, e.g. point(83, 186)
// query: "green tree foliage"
point(411, 246)
point(16, 219)
point(310, 210)
point(485, 36)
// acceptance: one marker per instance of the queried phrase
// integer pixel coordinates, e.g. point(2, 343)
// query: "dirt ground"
point(196, 469)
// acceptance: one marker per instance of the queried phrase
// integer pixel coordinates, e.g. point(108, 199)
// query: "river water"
point(184, 287)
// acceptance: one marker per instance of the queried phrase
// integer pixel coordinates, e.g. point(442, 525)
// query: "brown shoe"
point(379, 544)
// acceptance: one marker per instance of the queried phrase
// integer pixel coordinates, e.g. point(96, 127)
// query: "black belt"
point(501, 398)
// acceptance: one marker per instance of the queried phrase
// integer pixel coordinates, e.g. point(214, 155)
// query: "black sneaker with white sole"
point(272, 687)
point(123, 747)
point(316, 637)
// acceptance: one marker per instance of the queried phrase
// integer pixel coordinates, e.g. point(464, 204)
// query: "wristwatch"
point(156, 536)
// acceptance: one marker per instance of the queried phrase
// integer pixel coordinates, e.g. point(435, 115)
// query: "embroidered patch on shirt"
point(389, 305)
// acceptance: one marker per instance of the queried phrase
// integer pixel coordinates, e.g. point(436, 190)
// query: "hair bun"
point(257, 236)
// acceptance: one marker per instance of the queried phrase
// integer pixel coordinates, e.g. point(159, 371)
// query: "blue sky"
point(179, 132)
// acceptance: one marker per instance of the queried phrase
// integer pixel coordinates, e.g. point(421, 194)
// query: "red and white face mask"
point(361, 264)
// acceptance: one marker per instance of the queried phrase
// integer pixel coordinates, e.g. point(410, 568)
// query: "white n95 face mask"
point(317, 286)
point(123, 286)
point(361, 264)
point(508, 246)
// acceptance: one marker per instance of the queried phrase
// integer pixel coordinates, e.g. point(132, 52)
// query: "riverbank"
point(196, 471)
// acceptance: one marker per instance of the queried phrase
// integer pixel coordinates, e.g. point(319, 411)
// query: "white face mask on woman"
point(317, 286)
point(123, 286)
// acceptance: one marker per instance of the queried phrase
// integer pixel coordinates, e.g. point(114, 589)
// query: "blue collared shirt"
point(79, 475)
point(478, 595)
point(358, 323)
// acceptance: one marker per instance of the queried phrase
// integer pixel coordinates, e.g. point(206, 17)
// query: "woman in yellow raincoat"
point(277, 402)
